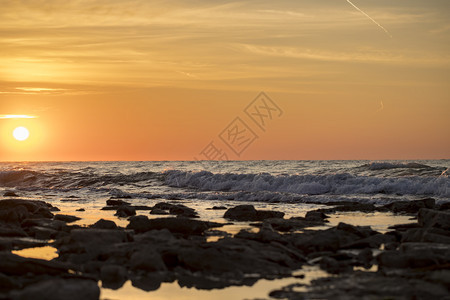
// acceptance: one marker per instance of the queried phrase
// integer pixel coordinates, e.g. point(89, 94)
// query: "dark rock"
point(365, 258)
point(43, 233)
point(104, 224)
point(112, 202)
point(433, 218)
point(125, 211)
point(374, 241)
point(15, 211)
point(329, 240)
point(7, 231)
point(315, 216)
point(249, 213)
point(218, 208)
point(81, 209)
point(10, 194)
point(291, 224)
point(333, 266)
point(113, 276)
point(54, 209)
point(101, 237)
point(349, 206)
point(361, 231)
point(410, 206)
point(175, 225)
point(157, 211)
point(7, 283)
point(56, 289)
point(11, 264)
point(148, 281)
point(428, 235)
point(444, 206)
point(403, 227)
point(399, 260)
point(66, 218)
point(147, 260)
point(370, 285)
point(175, 209)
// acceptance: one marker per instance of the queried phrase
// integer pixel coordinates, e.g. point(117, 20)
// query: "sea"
point(377, 182)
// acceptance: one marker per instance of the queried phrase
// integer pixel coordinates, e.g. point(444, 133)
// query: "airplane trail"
point(370, 18)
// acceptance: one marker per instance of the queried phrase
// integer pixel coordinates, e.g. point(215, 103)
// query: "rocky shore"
point(409, 261)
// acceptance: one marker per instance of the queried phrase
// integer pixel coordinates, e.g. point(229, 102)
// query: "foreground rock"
point(182, 226)
point(56, 289)
point(249, 213)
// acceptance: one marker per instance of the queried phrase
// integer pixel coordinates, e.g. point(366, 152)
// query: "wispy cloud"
point(17, 117)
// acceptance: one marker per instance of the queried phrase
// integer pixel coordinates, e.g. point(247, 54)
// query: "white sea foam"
point(337, 184)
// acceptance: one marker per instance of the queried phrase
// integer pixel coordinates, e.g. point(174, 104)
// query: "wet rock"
point(55, 209)
point(365, 258)
point(113, 276)
point(410, 206)
point(14, 211)
point(217, 208)
point(157, 211)
point(10, 194)
point(66, 218)
point(348, 206)
point(370, 285)
point(328, 240)
point(147, 260)
point(361, 231)
point(316, 216)
point(104, 224)
point(100, 237)
point(125, 211)
point(176, 209)
point(43, 233)
point(374, 241)
point(11, 264)
point(175, 225)
point(249, 213)
point(333, 266)
point(286, 225)
point(434, 218)
point(148, 281)
point(7, 283)
point(56, 289)
point(427, 235)
point(113, 202)
point(444, 206)
point(81, 209)
point(11, 231)
point(399, 260)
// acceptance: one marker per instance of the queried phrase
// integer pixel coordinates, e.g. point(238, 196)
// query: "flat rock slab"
point(249, 213)
point(183, 226)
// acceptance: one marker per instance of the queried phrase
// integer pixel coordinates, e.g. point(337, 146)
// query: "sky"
point(185, 80)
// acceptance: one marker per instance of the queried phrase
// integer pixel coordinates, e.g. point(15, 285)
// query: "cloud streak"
point(17, 117)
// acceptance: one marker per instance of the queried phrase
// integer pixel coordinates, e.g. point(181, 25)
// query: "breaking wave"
point(337, 184)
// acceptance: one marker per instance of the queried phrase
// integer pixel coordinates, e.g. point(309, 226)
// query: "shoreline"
point(191, 244)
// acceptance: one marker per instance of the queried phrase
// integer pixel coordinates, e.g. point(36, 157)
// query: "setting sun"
point(21, 133)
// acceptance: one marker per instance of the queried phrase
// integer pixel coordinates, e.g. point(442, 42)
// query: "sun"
point(21, 133)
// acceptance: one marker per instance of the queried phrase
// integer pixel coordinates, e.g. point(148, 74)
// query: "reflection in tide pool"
point(259, 290)
point(46, 252)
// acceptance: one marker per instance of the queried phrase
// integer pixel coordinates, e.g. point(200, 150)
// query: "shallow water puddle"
point(46, 252)
point(260, 289)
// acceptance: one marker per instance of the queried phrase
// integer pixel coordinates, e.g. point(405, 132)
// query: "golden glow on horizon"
point(146, 80)
point(21, 133)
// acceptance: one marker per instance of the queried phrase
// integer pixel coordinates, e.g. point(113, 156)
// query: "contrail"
point(370, 18)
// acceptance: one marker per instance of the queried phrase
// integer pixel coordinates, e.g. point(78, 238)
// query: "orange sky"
point(160, 80)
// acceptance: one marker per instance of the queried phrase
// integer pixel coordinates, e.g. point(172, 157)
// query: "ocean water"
point(291, 182)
